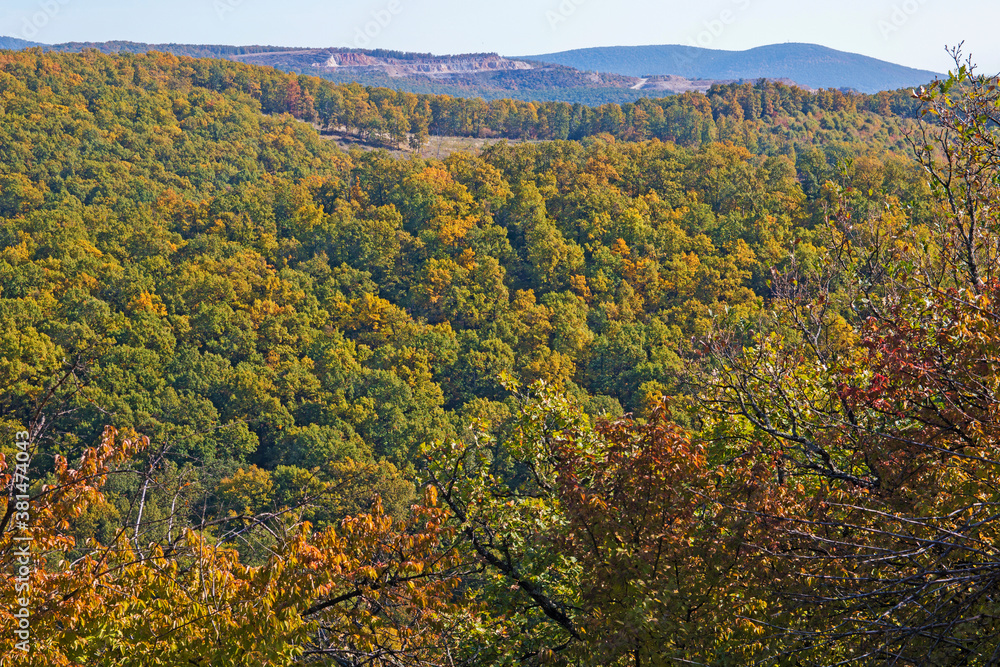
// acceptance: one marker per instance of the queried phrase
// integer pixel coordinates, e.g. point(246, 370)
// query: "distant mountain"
point(192, 50)
point(486, 75)
point(590, 76)
point(807, 64)
point(15, 44)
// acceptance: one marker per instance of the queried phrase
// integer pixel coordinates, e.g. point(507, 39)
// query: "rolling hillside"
point(807, 64)
point(590, 76)
point(15, 44)
point(486, 75)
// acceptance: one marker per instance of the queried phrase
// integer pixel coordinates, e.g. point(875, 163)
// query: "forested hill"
point(15, 44)
point(709, 382)
point(471, 75)
point(807, 64)
point(766, 117)
point(197, 232)
point(190, 50)
point(588, 76)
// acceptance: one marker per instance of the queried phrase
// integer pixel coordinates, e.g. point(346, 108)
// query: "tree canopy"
point(700, 380)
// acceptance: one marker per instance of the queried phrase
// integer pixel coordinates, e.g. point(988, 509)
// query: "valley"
point(379, 359)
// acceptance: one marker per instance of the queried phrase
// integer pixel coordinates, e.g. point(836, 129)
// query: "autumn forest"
point(703, 380)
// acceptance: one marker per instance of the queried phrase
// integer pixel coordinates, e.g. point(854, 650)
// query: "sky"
point(907, 32)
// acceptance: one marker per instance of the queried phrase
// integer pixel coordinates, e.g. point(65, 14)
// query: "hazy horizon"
point(911, 32)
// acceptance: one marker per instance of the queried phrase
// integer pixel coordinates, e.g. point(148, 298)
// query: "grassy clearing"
point(435, 147)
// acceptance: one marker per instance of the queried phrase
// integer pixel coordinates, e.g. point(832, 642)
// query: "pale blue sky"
point(908, 32)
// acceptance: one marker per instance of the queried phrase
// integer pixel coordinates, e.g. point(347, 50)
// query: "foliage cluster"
point(324, 355)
